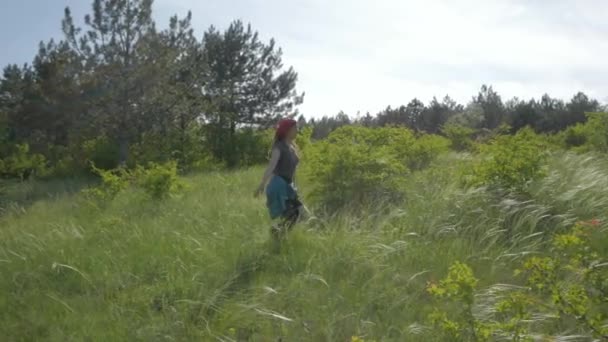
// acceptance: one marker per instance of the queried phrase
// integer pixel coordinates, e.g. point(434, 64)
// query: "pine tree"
point(246, 84)
point(114, 51)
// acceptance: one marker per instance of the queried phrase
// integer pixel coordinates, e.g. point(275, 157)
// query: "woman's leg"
point(292, 214)
point(290, 217)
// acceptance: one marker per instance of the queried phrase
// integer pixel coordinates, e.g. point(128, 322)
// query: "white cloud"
point(364, 55)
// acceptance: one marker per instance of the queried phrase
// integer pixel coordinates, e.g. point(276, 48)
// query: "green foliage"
point(422, 152)
point(210, 271)
point(65, 163)
point(251, 147)
point(304, 139)
point(65, 167)
point(158, 180)
point(243, 148)
point(575, 136)
point(570, 279)
point(187, 147)
point(458, 290)
point(459, 287)
point(349, 175)
point(112, 183)
point(461, 137)
point(357, 165)
point(597, 131)
point(21, 163)
point(573, 278)
point(513, 314)
point(590, 136)
point(510, 162)
point(102, 152)
point(238, 59)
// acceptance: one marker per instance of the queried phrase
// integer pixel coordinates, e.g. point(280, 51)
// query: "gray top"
point(286, 166)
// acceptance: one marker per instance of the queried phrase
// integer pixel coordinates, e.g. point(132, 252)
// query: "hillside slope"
point(200, 266)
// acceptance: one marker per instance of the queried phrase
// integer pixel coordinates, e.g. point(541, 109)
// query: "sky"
point(364, 55)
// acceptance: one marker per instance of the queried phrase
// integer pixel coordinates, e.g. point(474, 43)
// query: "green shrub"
point(203, 163)
point(510, 161)
point(112, 183)
point(453, 316)
point(158, 180)
point(152, 147)
point(187, 148)
point(357, 165)
point(424, 150)
point(459, 287)
point(66, 161)
point(191, 154)
point(304, 139)
point(251, 147)
point(597, 131)
point(65, 167)
point(102, 152)
point(245, 147)
point(461, 137)
point(21, 163)
point(590, 136)
point(574, 136)
point(568, 285)
point(573, 277)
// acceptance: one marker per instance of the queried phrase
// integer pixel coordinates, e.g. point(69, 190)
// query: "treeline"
point(485, 111)
point(120, 90)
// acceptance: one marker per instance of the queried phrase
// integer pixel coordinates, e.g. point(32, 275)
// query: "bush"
point(575, 136)
point(357, 165)
point(304, 139)
point(570, 280)
point(461, 137)
point(102, 152)
point(424, 150)
point(573, 277)
point(597, 131)
point(158, 180)
point(251, 147)
point(152, 148)
point(112, 183)
point(510, 161)
point(187, 148)
point(65, 167)
point(590, 136)
point(21, 164)
point(244, 147)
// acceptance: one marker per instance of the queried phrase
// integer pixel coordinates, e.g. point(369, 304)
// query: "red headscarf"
point(283, 127)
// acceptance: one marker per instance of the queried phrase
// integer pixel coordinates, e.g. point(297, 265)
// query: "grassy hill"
point(200, 266)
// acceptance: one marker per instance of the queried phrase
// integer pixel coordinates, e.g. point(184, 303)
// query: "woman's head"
point(286, 130)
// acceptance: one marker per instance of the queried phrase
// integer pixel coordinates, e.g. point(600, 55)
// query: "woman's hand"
point(258, 191)
point(274, 159)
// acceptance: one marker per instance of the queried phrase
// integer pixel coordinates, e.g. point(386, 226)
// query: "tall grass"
point(200, 266)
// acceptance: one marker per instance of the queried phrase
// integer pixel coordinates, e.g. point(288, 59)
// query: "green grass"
point(200, 266)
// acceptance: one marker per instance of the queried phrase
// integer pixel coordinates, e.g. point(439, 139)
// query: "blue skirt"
point(280, 195)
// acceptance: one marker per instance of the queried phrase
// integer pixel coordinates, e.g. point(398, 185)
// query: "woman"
point(281, 195)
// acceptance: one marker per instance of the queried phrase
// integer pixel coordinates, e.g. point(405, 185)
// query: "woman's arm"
point(274, 159)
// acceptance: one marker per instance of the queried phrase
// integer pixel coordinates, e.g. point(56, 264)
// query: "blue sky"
point(362, 55)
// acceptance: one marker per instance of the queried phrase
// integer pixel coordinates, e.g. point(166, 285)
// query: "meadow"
point(200, 265)
point(130, 150)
